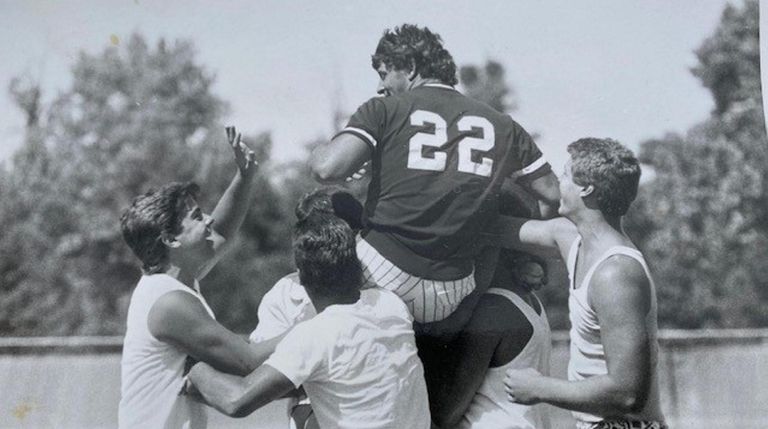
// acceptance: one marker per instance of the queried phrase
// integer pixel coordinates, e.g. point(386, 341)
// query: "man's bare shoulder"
point(621, 280)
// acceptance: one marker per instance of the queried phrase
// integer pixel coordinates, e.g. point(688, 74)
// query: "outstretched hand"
point(245, 158)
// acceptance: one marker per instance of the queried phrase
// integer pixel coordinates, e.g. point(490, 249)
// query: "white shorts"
point(428, 300)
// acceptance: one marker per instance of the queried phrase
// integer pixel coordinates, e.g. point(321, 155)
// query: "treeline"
point(138, 116)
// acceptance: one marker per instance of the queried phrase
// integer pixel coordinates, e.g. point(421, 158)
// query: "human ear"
point(170, 241)
point(586, 191)
point(412, 73)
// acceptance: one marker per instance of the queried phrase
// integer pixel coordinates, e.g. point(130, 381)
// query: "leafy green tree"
point(135, 117)
point(703, 218)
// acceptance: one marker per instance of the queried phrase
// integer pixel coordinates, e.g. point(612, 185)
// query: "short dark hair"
point(150, 216)
point(324, 251)
point(409, 45)
point(610, 168)
point(332, 200)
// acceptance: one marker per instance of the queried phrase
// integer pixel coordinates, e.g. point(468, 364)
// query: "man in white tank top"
point(508, 329)
point(168, 319)
point(612, 371)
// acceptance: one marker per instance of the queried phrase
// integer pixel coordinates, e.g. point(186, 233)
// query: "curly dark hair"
point(324, 250)
point(610, 168)
point(409, 45)
point(151, 215)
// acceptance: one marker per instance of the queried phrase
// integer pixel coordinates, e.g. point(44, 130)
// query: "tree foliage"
point(488, 84)
point(703, 219)
point(134, 118)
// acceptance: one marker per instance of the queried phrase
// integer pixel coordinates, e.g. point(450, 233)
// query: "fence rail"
point(114, 344)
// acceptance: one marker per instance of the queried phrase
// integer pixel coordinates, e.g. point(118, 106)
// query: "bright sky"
point(579, 68)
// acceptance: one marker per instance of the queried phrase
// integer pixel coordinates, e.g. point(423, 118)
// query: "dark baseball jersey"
point(438, 161)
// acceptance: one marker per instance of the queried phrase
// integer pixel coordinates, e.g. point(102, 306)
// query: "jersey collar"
point(439, 85)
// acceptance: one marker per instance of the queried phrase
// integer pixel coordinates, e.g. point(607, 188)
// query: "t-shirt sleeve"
point(367, 123)
point(530, 163)
point(301, 355)
point(273, 317)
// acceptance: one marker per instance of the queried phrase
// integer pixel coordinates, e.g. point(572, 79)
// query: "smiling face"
point(196, 236)
point(392, 81)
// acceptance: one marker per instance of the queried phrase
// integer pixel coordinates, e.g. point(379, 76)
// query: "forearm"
point(221, 391)
point(233, 355)
point(233, 205)
point(599, 395)
point(548, 209)
point(236, 396)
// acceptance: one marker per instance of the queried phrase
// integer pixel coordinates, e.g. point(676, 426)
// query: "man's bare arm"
point(473, 351)
point(230, 211)
point(546, 189)
point(178, 318)
point(237, 396)
point(548, 238)
point(620, 294)
point(340, 158)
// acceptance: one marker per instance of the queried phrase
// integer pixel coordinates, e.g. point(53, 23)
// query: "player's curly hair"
point(409, 45)
point(610, 168)
point(150, 216)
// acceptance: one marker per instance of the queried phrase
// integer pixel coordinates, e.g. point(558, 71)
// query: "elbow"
point(235, 407)
point(323, 172)
point(446, 416)
point(445, 421)
point(323, 169)
point(630, 403)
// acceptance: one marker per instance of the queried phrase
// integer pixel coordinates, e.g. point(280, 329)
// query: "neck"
point(321, 302)
point(504, 279)
point(420, 81)
point(185, 276)
point(593, 226)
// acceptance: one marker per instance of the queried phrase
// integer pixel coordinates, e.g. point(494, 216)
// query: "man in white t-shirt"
point(286, 304)
point(356, 359)
point(168, 319)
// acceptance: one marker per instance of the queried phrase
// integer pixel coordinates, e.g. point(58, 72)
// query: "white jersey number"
point(437, 162)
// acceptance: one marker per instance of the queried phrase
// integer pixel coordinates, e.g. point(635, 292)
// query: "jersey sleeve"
point(368, 122)
point(273, 316)
point(530, 163)
point(301, 355)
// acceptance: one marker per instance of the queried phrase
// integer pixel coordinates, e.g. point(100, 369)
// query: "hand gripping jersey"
point(438, 161)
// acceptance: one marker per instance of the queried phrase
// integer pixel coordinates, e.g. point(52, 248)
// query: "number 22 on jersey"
point(417, 160)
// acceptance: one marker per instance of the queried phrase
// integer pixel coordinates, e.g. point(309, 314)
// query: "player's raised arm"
point(237, 396)
point(233, 205)
point(339, 159)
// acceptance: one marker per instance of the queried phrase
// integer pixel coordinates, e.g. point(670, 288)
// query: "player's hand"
point(521, 385)
point(245, 158)
point(359, 174)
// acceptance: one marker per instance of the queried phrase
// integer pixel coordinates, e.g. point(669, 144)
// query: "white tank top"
point(490, 408)
point(151, 370)
point(587, 357)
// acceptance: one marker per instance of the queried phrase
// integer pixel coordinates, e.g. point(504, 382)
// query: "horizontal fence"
point(114, 344)
point(708, 379)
